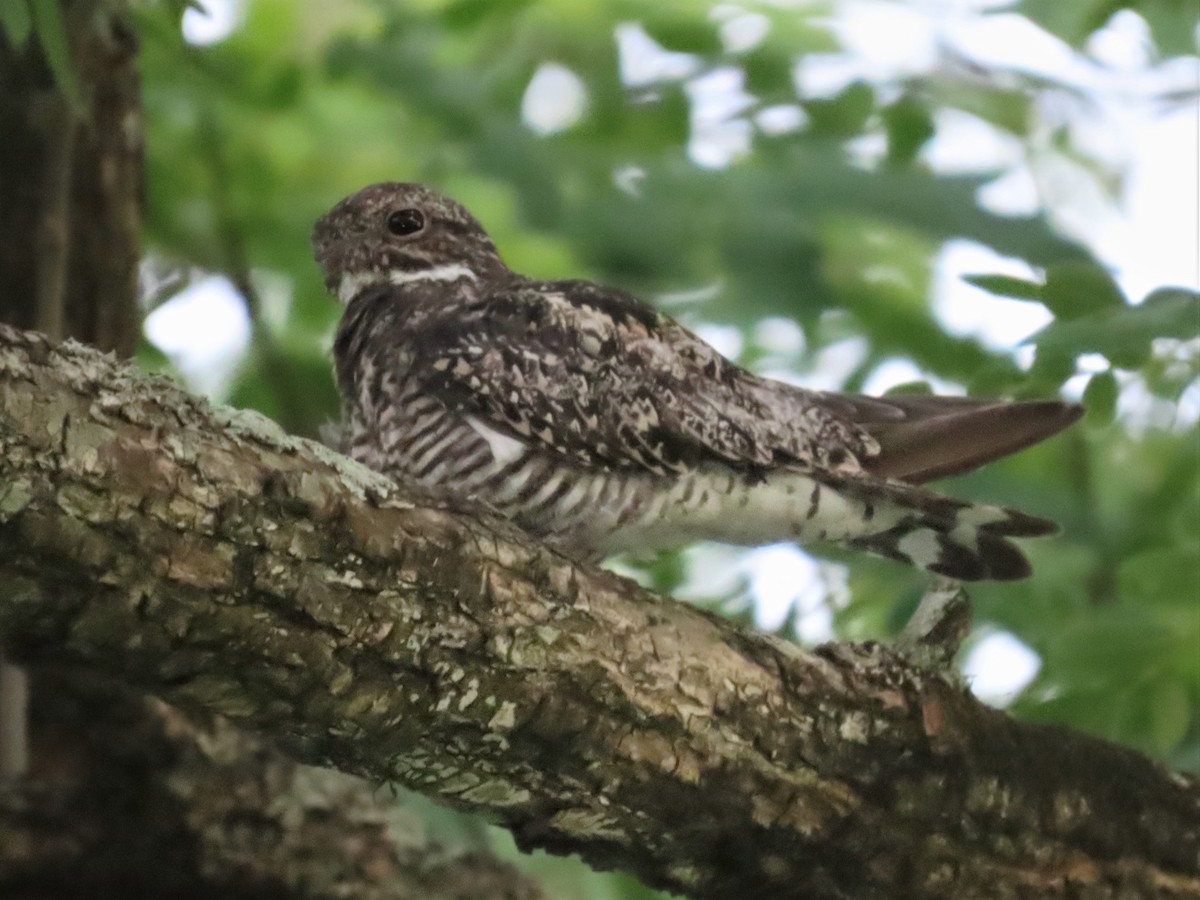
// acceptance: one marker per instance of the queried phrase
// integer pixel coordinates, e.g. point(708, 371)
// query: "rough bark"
point(202, 555)
point(205, 811)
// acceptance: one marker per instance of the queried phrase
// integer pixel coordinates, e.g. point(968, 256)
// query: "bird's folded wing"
point(924, 437)
point(595, 375)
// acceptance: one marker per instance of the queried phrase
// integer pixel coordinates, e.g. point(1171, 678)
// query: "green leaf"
point(1173, 24)
point(911, 388)
point(1155, 716)
point(1009, 109)
point(1124, 335)
point(682, 34)
point(1100, 398)
point(1113, 644)
point(909, 125)
point(1050, 371)
point(1171, 710)
point(815, 177)
point(1074, 22)
point(1163, 575)
point(844, 115)
point(150, 359)
point(16, 22)
point(1006, 286)
point(52, 35)
point(467, 14)
point(1078, 287)
point(767, 71)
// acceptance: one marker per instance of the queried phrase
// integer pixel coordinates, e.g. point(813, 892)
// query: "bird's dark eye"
point(405, 221)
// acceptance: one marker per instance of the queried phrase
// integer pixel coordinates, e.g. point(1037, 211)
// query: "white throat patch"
point(352, 285)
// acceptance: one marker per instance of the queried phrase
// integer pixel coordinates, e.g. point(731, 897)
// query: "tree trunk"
point(202, 555)
point(70, 195)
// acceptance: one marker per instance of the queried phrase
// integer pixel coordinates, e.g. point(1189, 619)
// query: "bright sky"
point(1152, 238)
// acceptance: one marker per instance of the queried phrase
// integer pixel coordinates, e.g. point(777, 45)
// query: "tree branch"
point(202, 555)
point(128, 798)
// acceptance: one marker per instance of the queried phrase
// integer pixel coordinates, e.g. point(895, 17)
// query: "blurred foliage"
point(834, 224)
point(42, 21)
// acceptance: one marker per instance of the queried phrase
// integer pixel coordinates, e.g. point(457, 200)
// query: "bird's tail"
point(858, 510)
point(944, 535)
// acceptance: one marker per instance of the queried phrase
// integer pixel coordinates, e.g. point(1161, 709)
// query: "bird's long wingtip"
point(930, 445)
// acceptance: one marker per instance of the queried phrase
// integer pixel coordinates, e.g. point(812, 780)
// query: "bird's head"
point(396, 233)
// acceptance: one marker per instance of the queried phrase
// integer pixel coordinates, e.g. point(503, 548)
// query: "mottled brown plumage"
point(602, 425)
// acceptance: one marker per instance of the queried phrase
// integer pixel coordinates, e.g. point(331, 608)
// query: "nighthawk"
point(600, 425)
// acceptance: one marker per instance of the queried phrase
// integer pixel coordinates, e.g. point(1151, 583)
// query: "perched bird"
point(600, 425)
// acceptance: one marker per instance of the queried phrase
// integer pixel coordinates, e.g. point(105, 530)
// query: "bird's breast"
point(561, 500)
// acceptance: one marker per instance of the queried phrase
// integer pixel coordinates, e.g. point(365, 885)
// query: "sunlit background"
point(1142, 225)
